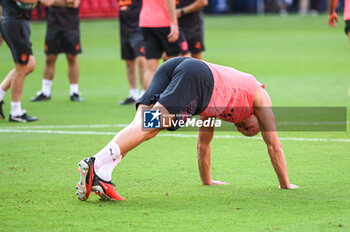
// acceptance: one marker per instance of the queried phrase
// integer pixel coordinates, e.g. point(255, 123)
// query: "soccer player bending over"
point(183, 87)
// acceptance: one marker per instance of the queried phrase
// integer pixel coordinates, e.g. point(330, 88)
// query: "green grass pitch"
point(302, 62)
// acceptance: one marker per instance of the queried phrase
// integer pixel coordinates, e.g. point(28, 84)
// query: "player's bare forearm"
point(171, 6)
point(205, 135)
point(194, 7)
point(203, 156)
point(266, 119)
point(332, 6)
point(174, 27)
point(279, 164)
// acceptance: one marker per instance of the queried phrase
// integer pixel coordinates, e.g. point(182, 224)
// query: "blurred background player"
point(190, 15)
point(160, 31)
point(133, 50)
point(15, 31)
point(333, 17)
point(62, 36)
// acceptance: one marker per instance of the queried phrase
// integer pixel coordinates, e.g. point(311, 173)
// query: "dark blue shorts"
point(182, 85)
point(132, 45)
point(16, 33)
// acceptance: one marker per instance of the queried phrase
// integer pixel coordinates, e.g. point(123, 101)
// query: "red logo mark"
point(198, 45)
point(184, 46)
point(142, 49)
point(24, 57)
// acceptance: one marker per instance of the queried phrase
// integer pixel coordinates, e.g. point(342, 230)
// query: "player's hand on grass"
point(1, 39)
point(291, 186)
point(332, 19)
point(216, 182)
point(47, 3)
point(174, 33)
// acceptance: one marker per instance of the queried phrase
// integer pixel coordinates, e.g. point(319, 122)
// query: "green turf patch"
point(302, 61)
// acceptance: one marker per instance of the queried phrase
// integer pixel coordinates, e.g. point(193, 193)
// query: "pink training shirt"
point(154, 13)
point(233, 94)
point(347, 10)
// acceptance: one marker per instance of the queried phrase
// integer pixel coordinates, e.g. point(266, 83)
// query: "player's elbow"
point(274, 147)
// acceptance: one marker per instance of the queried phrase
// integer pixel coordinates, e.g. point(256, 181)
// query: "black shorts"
point(182, 85)
point(156, 42)
point(62, 41)
point(195, 38)
point(132, 46)
point(16, 33)
point(347, 27)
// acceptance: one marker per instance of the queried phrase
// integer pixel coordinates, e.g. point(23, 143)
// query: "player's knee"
point(50, 60)
point(72, 59)
point(30, 66)
point(130, 63)
point(151, 134)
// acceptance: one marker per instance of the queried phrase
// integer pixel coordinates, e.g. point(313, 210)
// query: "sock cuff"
point(114, 148)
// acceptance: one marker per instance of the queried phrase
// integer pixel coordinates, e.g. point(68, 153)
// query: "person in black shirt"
point(15, 31)
point(62, 36)
point(133, 50)
point(190, 16)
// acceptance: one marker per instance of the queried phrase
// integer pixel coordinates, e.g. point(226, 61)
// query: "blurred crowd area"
point(109, 8)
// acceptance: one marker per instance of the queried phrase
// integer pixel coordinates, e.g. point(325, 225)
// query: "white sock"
point(142, 93)
point(105, 172)
point(74, 88)
point(2, 93)
point(16, 109)
point(46, 87)
point(108, 153)
point(134, 93)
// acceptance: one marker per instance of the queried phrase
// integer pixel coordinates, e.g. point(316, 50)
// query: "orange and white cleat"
point(105, 190)
point(86, 170)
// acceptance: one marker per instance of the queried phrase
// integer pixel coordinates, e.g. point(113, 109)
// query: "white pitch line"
point(68, 126)
point(169, 135)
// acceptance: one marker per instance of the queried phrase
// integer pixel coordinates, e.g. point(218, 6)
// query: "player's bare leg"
point(131, 71)
point(6, 83)
point(73, 74)
point(349, 36)
point(4, 86)
point(17, 81)
point(104, 162)
point(49, 71)
point(151, 67)
point(141, 65)
point(17, 78)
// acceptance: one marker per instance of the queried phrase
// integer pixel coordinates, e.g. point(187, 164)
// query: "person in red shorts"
point(183, 87)
point(333, 17)
point(160, 31)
